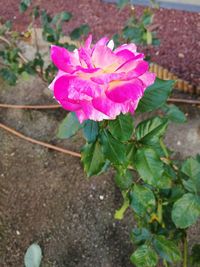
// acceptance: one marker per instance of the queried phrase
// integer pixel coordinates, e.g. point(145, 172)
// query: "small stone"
point(181, 55)
point(18, 232)
point(179, 143)
point(101, 197)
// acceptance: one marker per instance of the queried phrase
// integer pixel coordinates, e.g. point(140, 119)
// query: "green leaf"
point(164, 182)
point(130, 153)
point(69, 126)
point(113, 149)
point(24, 4)
point(186, 210)
point(167, 249)
point(36, 12)
point(65, 16)
point(140, 235)
point(144, 256)
point(90, 130)
point(147, 18)
point(191, 167)
point(78, 32)
point(124, 181)
point(122, 3)
point(122, 127)
point(142, 200)
point(33, 256)
point(9, 76)
point(150, 129)
point(8, 24)
point(155, 95)
point(92, 158)
point(198, 157)
point(173, 113)
point(148, 165)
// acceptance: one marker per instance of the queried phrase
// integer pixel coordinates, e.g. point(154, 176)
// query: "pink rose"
point(97, 82)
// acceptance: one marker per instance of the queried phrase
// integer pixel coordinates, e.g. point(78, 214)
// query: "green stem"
point(164, 148)
point(185, 251)
point(119, 214)
point(159, 211)
point(165, 263)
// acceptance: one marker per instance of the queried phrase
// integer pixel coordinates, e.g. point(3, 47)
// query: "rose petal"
point(63, 59)
point(106, 106)
point(92, 113)
point(103, 57)
point(61, 87)
point(148, 78)
point(121, 91)
point(59, 74)
point(131, 47)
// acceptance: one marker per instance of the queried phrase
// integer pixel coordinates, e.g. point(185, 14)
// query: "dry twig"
point(34, 141)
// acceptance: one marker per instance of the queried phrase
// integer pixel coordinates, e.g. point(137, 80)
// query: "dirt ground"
point(45, 196)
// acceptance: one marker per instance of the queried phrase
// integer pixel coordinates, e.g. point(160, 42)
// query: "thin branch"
point(34, 141)
point(55, 106)
point(185, 101)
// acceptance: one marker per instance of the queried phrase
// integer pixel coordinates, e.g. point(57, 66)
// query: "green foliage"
point(69, 126)
point(77, 33)
point(90, 130)
point(167, 249)
point(93, 158)
point(191, 168)
point(161, 192)
point(8, 76)
point(142, 200)
point(124, 180)
point(149, 165)
point(15, 64)
point(33, 256)
point(186, 210)
point(24, 4)
point(174, 114)
point(156, 95)
point(151, 130)
point(140, 235)
point(144, 256)
point(112, 148)
point(137, 30)
point(122, 127)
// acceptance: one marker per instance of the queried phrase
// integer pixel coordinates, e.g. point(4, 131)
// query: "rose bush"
point(103, 87)
point(97, 82)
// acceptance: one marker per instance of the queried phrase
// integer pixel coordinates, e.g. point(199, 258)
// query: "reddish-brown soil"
point(179, 31)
